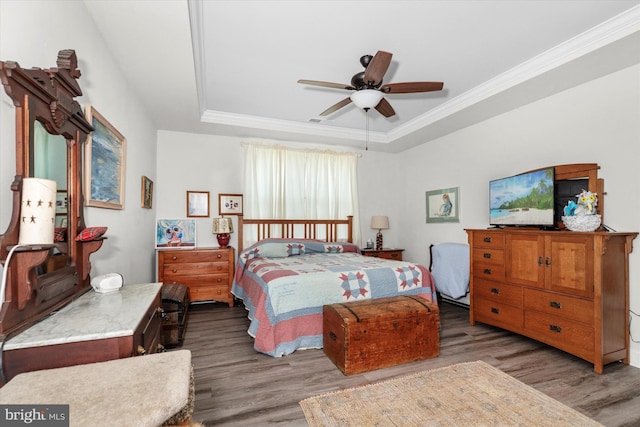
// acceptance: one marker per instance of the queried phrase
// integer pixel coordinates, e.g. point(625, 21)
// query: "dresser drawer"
point(488, 239)
point(567, 307)
point(188, 256)
point(198, 280)
point(172, 270)
point(488, 256)
point(498, 292)
point(559, 332)
point(482, 270)
point(497, 313)
point(206, 293)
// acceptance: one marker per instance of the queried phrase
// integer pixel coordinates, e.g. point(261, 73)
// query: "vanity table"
point(94, 328)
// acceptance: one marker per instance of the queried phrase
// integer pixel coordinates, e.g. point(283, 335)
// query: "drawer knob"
point(219, 255)
point(539, 260)
point(486, 255)
point(495, 291)
point(487, 271)
point(555, 328)
point(547, 261)
point(487, 239)
point(555, 304)
point(174, 271)
point(332, 336)
point(174, 257)
point(495, 310)
point(219, 268)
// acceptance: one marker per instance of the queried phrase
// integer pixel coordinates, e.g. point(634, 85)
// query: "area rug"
point(466, 394)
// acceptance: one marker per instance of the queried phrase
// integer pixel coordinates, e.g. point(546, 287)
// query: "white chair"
point(450, 269)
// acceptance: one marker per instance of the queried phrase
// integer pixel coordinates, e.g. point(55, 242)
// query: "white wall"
point(30, 36)
point(192, 162)
point(598, 122)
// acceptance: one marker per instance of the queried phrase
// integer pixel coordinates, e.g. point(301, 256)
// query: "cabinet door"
point(524, 254)
point(569, 264)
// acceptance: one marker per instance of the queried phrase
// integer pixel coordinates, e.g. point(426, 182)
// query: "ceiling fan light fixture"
point(366, 98)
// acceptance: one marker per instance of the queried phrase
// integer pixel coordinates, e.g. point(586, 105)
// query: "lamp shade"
point(366, 98)
point(380, 222)
point(222, 225)
point(37, 211)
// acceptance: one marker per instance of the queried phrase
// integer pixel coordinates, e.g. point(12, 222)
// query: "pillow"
point(60, 234)
point(91, 233)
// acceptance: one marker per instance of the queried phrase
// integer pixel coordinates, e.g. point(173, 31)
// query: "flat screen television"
point(526, 199)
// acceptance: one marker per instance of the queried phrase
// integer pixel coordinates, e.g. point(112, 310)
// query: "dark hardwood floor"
point(236, 386)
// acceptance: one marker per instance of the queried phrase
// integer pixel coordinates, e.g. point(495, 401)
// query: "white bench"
point(144, 391)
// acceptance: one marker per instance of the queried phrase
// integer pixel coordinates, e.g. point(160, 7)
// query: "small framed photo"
point(61, 202)
point(230, 204)
point(147, 193)
point(443, 205)
point(198, 204)
point(175, 233)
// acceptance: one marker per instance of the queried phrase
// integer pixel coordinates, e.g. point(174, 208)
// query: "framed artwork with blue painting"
point(175, 233)
point(104, 163)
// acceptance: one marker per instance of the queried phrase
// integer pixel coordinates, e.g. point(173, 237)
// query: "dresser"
point(208, 272)
point(567, 289)
point(395, 254)
point(93, 328)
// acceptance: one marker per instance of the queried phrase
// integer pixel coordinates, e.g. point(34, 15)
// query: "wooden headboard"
point(325, 229)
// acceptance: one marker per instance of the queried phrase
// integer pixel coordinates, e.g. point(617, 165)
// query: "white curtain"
point(291, 183)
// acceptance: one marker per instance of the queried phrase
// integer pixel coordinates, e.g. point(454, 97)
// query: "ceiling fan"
point(369, 88)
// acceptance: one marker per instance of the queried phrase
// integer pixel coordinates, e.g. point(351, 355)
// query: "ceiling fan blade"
point(326, 84)
point(412, 87)
point(374, 72)
point(335, 107)
point(385, 108)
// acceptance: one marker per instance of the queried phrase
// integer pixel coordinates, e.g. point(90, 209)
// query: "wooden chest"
point(367, 335)
point(175, 303)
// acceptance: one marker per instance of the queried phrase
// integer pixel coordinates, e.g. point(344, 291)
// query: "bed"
point(449, 267)
point(296, 267)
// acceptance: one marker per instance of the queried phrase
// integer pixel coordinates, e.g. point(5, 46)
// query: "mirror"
point(50, 162)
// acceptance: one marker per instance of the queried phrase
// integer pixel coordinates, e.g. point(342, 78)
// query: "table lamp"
point(222, 227)
point(380, 223)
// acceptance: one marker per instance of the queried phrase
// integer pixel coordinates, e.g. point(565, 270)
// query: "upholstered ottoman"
point(144, 391)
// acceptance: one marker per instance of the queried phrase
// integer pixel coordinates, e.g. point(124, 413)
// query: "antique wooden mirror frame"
point(32, 290)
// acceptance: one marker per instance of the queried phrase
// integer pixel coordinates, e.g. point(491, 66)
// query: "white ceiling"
point(231, 67)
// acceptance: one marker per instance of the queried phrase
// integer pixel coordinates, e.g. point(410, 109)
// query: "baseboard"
point(634, 358)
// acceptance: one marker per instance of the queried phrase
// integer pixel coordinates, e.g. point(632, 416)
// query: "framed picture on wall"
point(147, 193)
point(104, 163)
point(230, 204)
point(198, 204)
point(443, 205)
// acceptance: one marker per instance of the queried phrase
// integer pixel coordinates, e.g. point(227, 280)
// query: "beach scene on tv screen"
point(525, 199)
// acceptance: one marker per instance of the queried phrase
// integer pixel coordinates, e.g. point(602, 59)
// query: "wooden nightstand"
point(394, 254)
point(208, 272)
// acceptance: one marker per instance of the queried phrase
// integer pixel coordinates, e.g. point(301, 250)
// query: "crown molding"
point(608, 32)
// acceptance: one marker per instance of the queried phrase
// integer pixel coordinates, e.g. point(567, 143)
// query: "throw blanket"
point(284, 284)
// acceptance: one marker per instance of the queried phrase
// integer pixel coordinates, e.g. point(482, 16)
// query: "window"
point(292, 183)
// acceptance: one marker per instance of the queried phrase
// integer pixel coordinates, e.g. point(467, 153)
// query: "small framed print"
point(230, 204)
point(147, 193)
point(443, 205)
point(198, 204)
